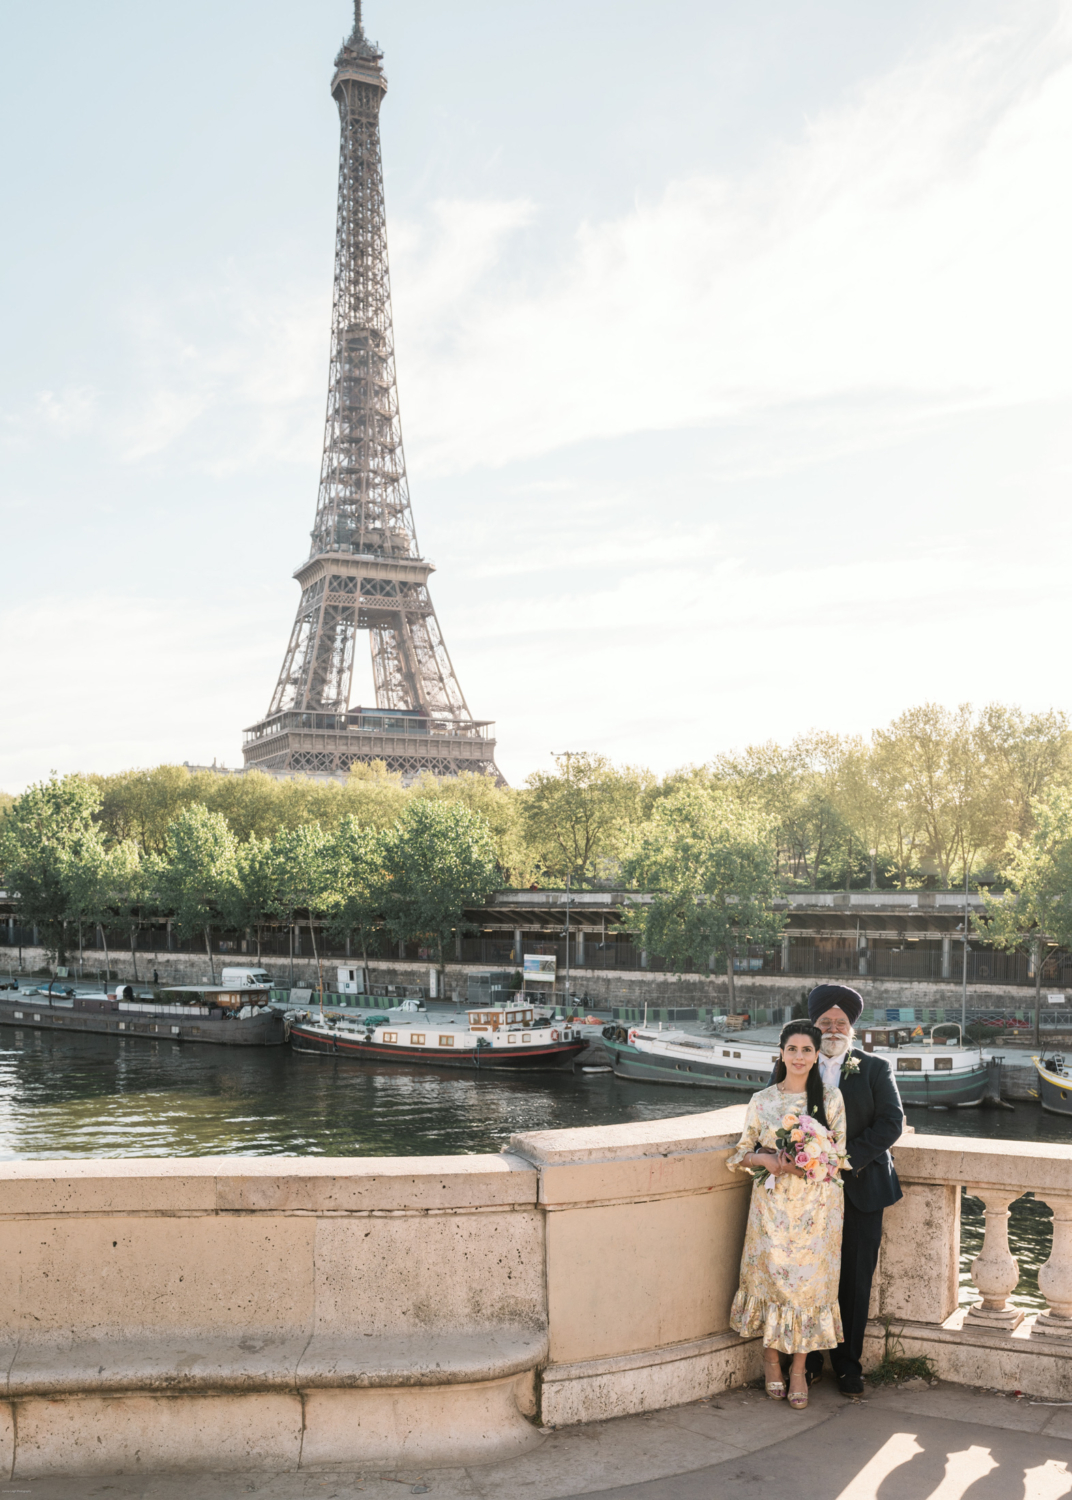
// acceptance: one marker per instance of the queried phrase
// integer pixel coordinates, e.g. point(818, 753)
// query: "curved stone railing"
point(275, 1313)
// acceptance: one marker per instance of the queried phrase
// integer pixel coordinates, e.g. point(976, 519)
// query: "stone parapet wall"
point(302, 1314)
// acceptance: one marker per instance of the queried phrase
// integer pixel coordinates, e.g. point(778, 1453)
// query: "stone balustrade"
point(918, 1292)
point(276, 1313)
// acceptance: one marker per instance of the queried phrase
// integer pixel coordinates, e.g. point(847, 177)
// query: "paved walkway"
point(920, 1443)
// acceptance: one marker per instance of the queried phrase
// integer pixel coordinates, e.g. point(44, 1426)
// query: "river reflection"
point(96, 1096)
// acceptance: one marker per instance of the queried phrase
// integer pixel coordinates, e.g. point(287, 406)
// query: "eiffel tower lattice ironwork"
point(365, 570)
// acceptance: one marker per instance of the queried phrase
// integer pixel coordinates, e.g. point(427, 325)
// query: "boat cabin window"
point(483, 1019)
point(417, 1038)
point(446, 1041)
point(390, 1036)
point(910, 1065)
point(942, 1064)
point(511, 1036)
point(725, 1052)
point(527, 1036)
point(736, 1054)
point(886, 1038)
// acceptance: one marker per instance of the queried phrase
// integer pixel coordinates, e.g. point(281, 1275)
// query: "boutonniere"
point(851, 1064)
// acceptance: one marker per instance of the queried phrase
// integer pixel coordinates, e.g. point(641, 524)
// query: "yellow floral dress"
point(791, 1263)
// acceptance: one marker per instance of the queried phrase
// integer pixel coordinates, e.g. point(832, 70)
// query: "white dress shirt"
point(830, 1068)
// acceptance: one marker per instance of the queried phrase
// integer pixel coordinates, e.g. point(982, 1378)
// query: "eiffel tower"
point(365, 570)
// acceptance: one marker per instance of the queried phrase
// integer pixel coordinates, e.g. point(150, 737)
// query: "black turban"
point(825, 996)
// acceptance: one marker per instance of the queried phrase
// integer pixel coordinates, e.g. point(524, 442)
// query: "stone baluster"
point(1055, 1277)
point(994, 1269)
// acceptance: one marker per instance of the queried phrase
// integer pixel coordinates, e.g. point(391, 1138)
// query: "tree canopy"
point(707, 862)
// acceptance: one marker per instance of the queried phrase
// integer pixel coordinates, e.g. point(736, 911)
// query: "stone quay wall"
point(604, 988)
point(274, 1313)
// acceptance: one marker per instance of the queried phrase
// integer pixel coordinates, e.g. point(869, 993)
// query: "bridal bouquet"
point(800, 1139)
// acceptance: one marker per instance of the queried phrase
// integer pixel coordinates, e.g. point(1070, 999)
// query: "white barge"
point(502, 1037)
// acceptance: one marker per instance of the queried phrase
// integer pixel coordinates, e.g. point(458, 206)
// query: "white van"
point(242, 976)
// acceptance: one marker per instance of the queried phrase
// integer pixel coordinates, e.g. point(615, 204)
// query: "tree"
point(248, 900)
point(707, 864)
point(198, 865)
point(1022, 757)
point(933, 751)
point(357, 886)
point(577, 820)
point(501, 809)
point(300, 878)
point(44, 836)
point(801, 789)
point(1037, 870)
point(108, 885)
point(438, 859)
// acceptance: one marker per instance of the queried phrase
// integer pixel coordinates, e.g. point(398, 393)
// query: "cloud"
point(910, 248)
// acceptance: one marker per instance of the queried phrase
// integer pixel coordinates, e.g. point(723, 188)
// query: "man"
point(874, 1118)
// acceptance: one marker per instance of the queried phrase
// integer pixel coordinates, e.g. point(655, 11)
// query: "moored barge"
point(509, 1038)
point(202, 1013)
point(933, 1074)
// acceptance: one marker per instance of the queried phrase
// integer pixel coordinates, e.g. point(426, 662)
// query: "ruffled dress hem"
point(788, 1328)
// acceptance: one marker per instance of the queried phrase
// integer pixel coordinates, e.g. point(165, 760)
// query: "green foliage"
point(895, 1365)
point(199, 864)
point(577, 821)
point(248, 900)
point(45, 836)
point(141, 805)
point(356, 883)
point(708, 862)
point(438, 859)
point(1038, 871)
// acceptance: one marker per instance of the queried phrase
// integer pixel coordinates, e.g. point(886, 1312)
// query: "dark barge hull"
point(481, 1060)
point(34, 1014)
point(915, 1088)
point(653, 1067)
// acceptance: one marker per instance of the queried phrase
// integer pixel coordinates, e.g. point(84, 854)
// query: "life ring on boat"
point(631, 1037)
point(554, 1036)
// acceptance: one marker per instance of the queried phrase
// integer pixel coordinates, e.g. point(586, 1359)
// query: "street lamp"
point(566, 755)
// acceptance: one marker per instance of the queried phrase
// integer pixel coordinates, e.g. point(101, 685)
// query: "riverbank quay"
point(282, 1315)
point(894, 1444)
point(626, 995)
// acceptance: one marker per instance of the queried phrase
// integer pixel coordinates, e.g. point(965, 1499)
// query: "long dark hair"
point(814, 1085)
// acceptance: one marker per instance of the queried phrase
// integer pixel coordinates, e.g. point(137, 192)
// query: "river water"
point(96, 1096)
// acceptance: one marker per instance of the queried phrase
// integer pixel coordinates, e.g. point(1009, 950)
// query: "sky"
point(732, 348)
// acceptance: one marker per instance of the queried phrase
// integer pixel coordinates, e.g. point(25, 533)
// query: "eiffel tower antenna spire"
point(365, 571)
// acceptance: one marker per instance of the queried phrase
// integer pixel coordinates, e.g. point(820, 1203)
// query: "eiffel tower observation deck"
point(365, 570)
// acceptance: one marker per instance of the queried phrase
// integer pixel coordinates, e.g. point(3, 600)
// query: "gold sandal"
point(775, 1388)
point(798, 1400)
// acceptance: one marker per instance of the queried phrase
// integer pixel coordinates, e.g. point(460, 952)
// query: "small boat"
point(1055, 1085)
point(507, 1037)
point(185, 1013)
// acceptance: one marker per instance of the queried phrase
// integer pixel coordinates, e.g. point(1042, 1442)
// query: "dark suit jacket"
point(874, 1118)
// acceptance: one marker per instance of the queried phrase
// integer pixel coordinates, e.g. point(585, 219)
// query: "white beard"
point(834, 1046)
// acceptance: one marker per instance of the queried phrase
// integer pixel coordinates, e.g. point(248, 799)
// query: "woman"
point(792, 1248)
